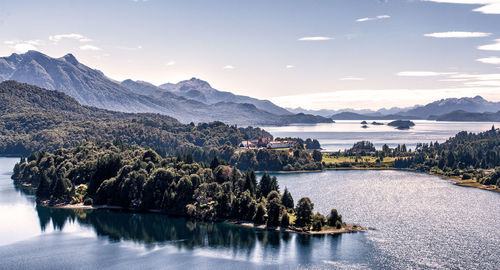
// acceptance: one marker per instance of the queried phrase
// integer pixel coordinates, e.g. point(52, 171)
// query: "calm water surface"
point(343, 134)
point(417, 221)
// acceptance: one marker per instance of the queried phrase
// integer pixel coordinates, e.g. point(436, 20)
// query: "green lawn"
point(363, 159)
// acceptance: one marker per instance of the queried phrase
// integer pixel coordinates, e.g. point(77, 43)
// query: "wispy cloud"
point(484, 83)
point(319, 38)
point(228, 67)
point(491, 47)
point(289, 66)
point(479, 77)
point(352, 79)
point(423, 73)
point(488, 6)
point(78, 37)
point(479, 80)
point(170, 63)
point(380, 17)
point(89, 47)
point(454, 80)
point(22, 46)
point(458, 34)
point(490, 60)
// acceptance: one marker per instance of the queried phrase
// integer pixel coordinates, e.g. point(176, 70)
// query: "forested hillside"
point(468, 155)
point(35, 119)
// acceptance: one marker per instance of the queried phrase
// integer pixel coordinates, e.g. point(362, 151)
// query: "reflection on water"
point(158, 229)
point(236, 242)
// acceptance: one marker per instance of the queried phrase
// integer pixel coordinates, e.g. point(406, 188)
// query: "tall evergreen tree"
point(287, 199)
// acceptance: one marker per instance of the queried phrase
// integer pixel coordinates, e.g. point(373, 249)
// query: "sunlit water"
point(416, 221)
point(343, 134)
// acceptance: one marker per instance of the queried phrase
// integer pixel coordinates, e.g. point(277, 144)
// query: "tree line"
point(467, 155)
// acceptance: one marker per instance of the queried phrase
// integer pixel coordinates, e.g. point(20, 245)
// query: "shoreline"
point(348, 228)
point(457, 181)
point(465, 183)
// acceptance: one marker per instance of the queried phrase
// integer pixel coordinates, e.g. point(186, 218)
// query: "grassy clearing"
point(363, 159)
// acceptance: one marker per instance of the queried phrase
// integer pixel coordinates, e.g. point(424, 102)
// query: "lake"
point(343, 134)
point(416, 221)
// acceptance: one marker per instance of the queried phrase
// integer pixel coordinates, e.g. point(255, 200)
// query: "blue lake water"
point(417, 221)
point(343, 134)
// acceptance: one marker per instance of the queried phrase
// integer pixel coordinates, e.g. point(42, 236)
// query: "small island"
point(375, 123)
point(401, 124)
point(119, 176)
point(364, 122)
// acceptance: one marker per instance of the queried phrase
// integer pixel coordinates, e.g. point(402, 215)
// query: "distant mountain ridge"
point(450, 108)
point(202, 91)
point(368, 112)
point(475, 104)
point(91, 87)
point(357, 116)
point(469, 116)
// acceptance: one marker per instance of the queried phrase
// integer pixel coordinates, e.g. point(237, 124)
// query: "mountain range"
point(367, 112)
point(450, 108)
point(475, 104)
point(195, 100)
point(192, 100)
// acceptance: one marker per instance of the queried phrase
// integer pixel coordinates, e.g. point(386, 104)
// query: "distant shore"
point(457, 181)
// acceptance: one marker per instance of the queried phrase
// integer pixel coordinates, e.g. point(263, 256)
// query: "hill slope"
point(32, 118)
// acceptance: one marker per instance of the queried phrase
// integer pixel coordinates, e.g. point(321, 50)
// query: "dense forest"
point(466, 155)
point(36, 119)
point(117, 174)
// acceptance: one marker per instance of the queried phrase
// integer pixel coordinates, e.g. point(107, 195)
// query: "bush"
point(285, 220)
point(259, 214)
point(318, 221)
point(338, 225)
point(88, 201)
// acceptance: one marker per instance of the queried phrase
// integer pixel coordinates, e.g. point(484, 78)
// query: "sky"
point(316, 54)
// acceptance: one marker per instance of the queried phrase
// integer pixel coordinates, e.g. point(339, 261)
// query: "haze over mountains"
point(188, 101)
point(431, 111)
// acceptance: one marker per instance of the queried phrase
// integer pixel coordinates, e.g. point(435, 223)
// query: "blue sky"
point(314, 54)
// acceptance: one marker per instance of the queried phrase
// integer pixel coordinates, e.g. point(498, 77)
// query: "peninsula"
point(120, 176)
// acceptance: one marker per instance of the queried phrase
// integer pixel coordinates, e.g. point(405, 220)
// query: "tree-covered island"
point(117, 175)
